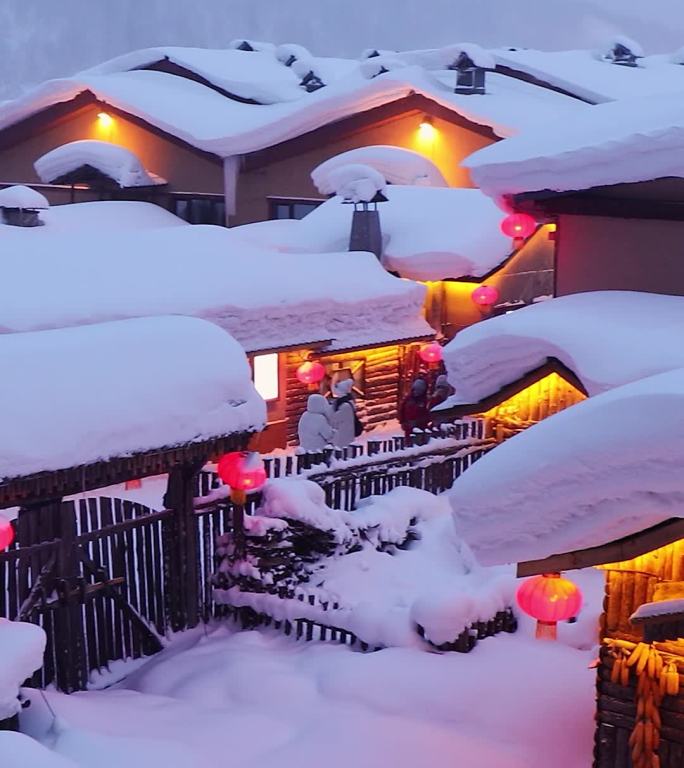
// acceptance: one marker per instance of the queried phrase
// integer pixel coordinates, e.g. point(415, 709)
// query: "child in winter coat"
point(413, 412)
point(343, 414)
point(314, 429)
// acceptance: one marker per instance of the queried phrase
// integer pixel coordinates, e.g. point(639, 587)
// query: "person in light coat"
point(314, 429)
point(343, 414)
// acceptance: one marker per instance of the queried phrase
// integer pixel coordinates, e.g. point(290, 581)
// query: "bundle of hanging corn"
point(655, 679)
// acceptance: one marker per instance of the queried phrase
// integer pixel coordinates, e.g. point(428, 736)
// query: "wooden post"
point(181, 569)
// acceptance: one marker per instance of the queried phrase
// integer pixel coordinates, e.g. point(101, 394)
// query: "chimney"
point(622, 55)
point(311, 82)
point(366, 234)
point(469, 77)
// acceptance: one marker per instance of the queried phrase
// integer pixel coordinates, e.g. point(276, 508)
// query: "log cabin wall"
point(631, 583)
point(545, 397)
point(377, 372)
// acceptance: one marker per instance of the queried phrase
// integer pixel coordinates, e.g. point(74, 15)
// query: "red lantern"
point(6, 533)
point(310, 372)
point(242, 471)
point(430, 353)
point(549, 599)
point(518, 225)
point(485, 296)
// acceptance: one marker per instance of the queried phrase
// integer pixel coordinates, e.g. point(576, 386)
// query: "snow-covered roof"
point(20, 196)
point(396, 164)
point(429, 233)
point(607, 338)
point(208, 120)
point(607, 468)
point(265, 299)
point(108, 216)
point(117, 163)
point(623, 141)
point(79, 395)
point(592, 76)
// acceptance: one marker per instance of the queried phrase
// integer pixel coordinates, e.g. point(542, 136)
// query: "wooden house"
point(600, 486)
point(613, 185)
point(341, 309)
point(236, 132)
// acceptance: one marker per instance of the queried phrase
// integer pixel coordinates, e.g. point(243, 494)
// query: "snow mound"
point(304, 501)
point(119, 388)
point(19, 751)
point(353, 182)
point(117, 163)
point(607, 468)
point(25, 198)
point(288, 51)
point(21, 650)
point(429, 233)
point(396, 164)
point(111, 216)
point(625, 42)
point(607, 338)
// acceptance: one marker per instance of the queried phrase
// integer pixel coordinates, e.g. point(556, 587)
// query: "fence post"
point(181, 568)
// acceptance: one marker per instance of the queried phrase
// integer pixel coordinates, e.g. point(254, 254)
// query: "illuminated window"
point(266, 375)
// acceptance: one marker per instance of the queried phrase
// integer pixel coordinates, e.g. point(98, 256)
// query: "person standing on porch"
point(413, 411)
point(314, 428)
point(343, 414)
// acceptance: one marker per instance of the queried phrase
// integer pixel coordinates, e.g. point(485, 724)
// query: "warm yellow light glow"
point(427, 131)
point(266, 376)
point(105, 120)
point(551, 227)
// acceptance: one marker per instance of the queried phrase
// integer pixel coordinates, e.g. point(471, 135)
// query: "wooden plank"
point(617, 551)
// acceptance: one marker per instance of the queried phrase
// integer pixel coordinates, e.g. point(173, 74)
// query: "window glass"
point(266, 375)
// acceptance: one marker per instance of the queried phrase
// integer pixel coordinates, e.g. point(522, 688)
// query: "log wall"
point(382, 374)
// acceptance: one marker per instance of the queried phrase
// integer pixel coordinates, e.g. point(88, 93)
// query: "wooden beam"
point(552, 365)
point(614, 552)
point(326, 134)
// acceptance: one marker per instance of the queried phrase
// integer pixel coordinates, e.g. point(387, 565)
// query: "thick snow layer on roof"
point(590, 76)
point(609, 467)
point(624, 141)
point(210, 121)
point(263, 298)
point(79, 395)
point(116, 162)
point(107, 216)
point(20, 196)
point(607, 338)
point(21, 654)
point(396, 164)
point(429, 233)
point(256, 75)
point(353, 182)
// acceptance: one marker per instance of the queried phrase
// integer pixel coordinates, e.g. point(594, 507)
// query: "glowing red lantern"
point(310, 372)
point(549, 599)
point(485, 296)
point(518, 225)
point(242, 471)
point(6, 533)
point(430, 353)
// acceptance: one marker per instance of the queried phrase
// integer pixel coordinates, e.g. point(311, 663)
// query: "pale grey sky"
point(51, 38)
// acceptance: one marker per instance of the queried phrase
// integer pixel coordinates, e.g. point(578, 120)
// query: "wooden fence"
point(135, 575)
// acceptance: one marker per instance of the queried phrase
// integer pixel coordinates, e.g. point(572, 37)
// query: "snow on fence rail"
point(144, 573)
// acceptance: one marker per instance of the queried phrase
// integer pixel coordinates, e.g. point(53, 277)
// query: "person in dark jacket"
point(441, 392)
point(414, 412)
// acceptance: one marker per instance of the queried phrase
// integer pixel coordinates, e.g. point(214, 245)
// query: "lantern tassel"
point(546, 630)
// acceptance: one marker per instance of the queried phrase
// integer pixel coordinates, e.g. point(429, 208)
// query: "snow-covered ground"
point(257, 700)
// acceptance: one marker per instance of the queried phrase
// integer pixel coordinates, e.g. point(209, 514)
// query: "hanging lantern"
point(519, 226)
point(485, 296)
point(6, 533)
point(431, 353)
point(310, 373)
point(242, 470)
point(549, 599)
